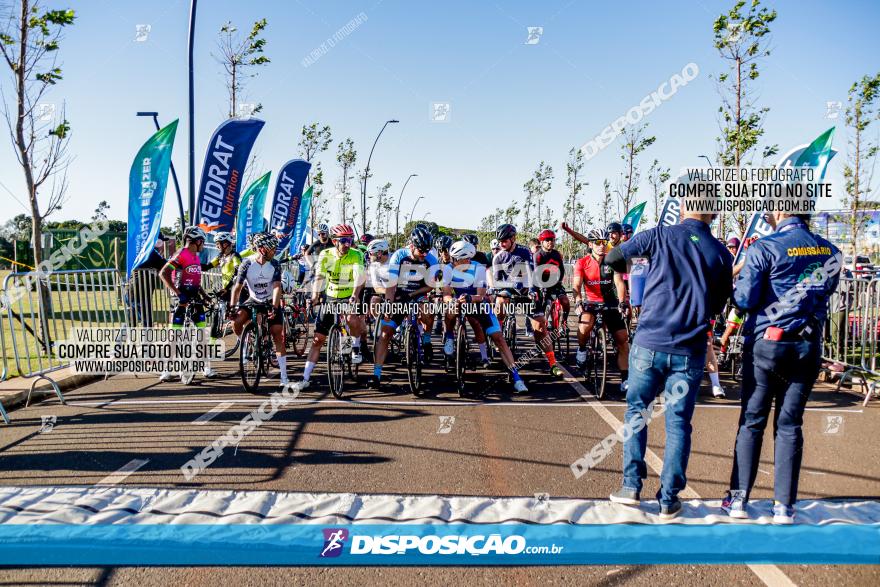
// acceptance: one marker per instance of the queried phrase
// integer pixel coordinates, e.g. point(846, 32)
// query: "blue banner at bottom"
point(423, 544)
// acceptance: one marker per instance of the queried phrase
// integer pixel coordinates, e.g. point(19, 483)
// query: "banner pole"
point(193, 214)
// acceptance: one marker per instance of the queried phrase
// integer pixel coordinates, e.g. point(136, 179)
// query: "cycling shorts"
point(188, 296)
point(272, 321)
point(325, 319)
point(610, 316)
point(533, 310)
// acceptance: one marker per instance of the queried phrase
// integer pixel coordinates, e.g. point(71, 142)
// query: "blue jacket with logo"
point(787, 279)
point(688, 282)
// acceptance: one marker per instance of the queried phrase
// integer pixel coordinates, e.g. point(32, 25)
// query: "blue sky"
point(512, 104)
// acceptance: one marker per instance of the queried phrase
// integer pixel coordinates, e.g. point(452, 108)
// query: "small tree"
point(101, 211)
point(606, 203)
point(240, 58)
point(862, 148)
point(346, 157)
point(320, 210)
point(383, 208)
point(535, 189)
point(573, 210)
point(634, 144)
point(314, 140)
point(657, 178)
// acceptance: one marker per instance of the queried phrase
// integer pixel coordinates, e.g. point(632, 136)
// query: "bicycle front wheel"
point(461, 357)
point(299, 334)
point(599, 362)
point(249, 359)
point(509, 333)
point(335, 361)
point(413, 360)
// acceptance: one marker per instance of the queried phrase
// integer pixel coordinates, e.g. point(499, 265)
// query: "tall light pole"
point(413, 211)
point(155, 117)
point(367, 174)
point(397, 210)
point(193, 214)
point(709, 161)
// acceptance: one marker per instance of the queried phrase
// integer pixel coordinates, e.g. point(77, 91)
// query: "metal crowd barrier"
point(852, 331)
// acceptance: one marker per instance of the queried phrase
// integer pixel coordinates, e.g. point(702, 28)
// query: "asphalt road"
point(389, 442)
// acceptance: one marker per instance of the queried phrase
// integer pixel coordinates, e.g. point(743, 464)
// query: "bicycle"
point(559, 330)
point(257, 349)
point(595, 368)
point(220, 326)
point(340, 345)
point(296, 326)
point(508, 326)
point(460, 360)
point(415, 355)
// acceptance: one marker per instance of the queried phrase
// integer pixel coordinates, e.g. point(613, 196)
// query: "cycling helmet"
point(470, 238)
point(422, 225)
point(494, 244)
point(323, 228)
point(627, 229)
point(462, 250)
point(597, 234)
point(194, 233)
point(342, 231)
point(378, 246)
point(614, 227)
point(224, 236)
point(287, 282)
point(421, 238)
point(546, 234)
point(733, 242)
point(366, 238)
point(442, 243)
point(265, 240)
point(505, 231)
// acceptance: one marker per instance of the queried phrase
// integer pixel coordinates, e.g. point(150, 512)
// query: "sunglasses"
point(344, 240)
point(552, 240)
point(600, 242)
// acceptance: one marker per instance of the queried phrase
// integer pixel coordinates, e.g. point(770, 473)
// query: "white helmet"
point(194, 233)
point(494, 244)
point(462, 250)
point(378, 246)
point(286, 282)
point(323, 228)
point(224, 236)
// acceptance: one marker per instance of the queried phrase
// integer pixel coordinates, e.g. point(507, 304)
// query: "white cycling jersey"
point(259, 278)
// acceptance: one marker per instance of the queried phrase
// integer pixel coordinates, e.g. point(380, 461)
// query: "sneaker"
point(734, 504)
point(668, 512)
point(375, 382)
point(624, 387)
point(783, 514)
point(485, 363)
point(625, 496)
point(520, 386)
point(580, 357)
point(165, 376)
point(304, 384)
point(556, 371)
point(187, 378)
point(356, 357)
point(718, 392)
point(448, 347)
point(209, 373)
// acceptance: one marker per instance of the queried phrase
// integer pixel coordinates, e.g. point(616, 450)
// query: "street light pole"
point(193, 215)
point(367, 174)
point(397, 211)
point(155, 117)
point(709, 161)
point(413, 211)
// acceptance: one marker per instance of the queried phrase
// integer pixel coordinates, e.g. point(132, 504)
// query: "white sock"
point(357, 342)
point(714, 378)
point(282, 366)
point(483, 351)
point(308, 370)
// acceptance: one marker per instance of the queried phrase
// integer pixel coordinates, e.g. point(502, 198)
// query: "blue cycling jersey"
point(466, 279)
point(414, 271)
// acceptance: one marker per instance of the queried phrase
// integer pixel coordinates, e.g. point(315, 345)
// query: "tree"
point(383, 208)
point(535, 189)
point(573, 209)
point(101, 211)
point(29, 41)
point(314, 140)
point(657, 178)
point(320, 210)
point(346, 156)
point(240, 57)
point(742, 39)
point(635, 143)
point(606, 202)
point(862, 148)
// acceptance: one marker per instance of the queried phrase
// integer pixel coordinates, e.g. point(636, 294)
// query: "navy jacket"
point(787, 280)
point(688, 283)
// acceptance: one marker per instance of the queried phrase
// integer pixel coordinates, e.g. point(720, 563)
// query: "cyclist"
point(614, 230)
point(228, 261)
point(319, 245)
point(262, 275)
point(534, 246)
point(415, 259)
point(494, 248)
point(467, 285)
point(601, 285)
point(553, 270)
point(377, 271)
point(511, 274)
point(339, 274)
point(185, 286)
point(627, 232)
point(480, 257)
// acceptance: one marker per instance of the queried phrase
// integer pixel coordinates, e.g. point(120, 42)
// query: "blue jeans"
point(782, 373)
point(677, 376)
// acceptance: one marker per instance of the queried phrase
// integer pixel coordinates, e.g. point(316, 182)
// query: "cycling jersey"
point(187, 269)
point(317, 247)
point(228, 266)
point(483, 259)
point(342, 273)
point(379, 277)
point(466, 279)
point(512, 268)
point(410, 281)
point(598, 280)
point(260, 279)
point(554, 269)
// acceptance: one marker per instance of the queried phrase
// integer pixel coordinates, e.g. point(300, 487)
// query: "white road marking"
point(215, 411)
point(771, 575)
point(123, 473)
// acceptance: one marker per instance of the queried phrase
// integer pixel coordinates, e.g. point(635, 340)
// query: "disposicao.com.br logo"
point(454, 544)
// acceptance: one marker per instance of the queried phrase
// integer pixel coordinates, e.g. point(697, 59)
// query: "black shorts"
point(533, 310)
point(611, 317)
point(324, 317)
point(277, 319)
point(397, 319)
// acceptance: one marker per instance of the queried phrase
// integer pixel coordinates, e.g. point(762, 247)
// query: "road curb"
point(13, 393)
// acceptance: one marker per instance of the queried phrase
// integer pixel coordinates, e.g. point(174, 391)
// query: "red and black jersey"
point(553, 264)
point(598, 280)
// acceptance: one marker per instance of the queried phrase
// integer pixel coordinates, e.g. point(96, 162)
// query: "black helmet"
point(470, 238)
point(505, 231)
point(442, 243)
point(627, 229)
point(421, 238)
point(614, 227)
